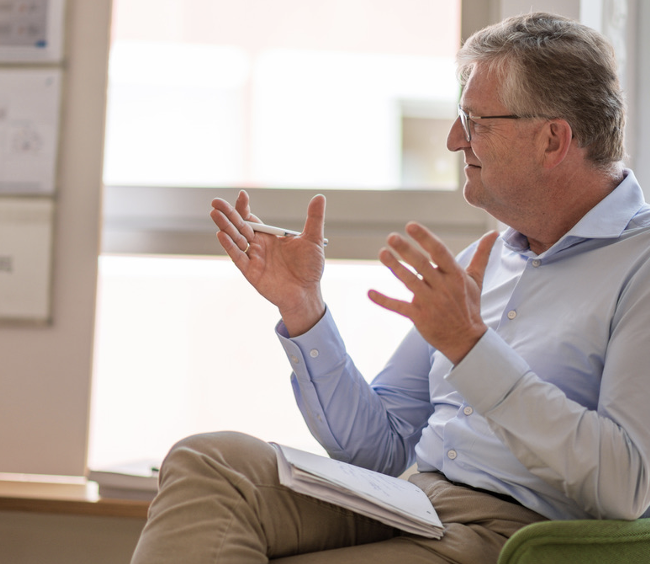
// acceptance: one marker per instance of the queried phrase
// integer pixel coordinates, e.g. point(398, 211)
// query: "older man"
point(522, 389)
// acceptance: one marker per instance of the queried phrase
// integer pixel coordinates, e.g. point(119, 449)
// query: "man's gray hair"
point(554, 67)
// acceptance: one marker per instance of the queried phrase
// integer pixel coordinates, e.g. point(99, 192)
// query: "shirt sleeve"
point(599, 458)
point(370, 425)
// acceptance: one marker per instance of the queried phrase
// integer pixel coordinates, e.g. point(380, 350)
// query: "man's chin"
point(472, 192)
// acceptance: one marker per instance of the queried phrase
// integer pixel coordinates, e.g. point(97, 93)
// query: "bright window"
point(282, 93)
point(185, 346)
point(352, 98)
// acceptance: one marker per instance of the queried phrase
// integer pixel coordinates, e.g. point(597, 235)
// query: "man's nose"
point(456, 139)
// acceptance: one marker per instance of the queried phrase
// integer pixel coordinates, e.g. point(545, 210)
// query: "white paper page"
point(25, 258)
point(29, 122)
point(387, 490)
point(341, 496)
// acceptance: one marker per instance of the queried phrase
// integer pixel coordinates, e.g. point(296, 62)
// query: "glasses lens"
point(464, 121)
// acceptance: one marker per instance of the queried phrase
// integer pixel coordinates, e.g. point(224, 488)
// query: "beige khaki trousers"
point(220, 501)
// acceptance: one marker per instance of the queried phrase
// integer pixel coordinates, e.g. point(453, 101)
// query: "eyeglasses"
point(465, 119)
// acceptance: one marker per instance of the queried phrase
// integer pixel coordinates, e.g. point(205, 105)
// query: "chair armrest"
point(579, 541)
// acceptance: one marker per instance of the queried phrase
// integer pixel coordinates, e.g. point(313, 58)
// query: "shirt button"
point(468, 410)
point(295, 359)
point(452, 454)
point(536, 263)
point(512, 314)
point(313, 353)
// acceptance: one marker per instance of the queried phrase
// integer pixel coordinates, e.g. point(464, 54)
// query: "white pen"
point(280, 231)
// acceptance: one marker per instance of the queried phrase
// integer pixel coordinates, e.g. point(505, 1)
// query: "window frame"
point(175, 221)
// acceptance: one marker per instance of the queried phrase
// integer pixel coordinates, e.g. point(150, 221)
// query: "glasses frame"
point(465, 118)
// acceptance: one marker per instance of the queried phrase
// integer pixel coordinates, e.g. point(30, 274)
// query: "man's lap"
point(227, 484)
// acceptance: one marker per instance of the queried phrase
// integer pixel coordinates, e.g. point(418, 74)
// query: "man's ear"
point(557, 138)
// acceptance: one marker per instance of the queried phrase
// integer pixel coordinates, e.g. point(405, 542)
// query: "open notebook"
point(392, 501)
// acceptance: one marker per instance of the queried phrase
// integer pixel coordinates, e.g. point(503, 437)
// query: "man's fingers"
point(438, 252)
point(229, 221)
point(479, 262)
point(429, 259)
point(233, 250)
point(242, 204)
point(391, 304)
point(442, 257)
point(315, 223)
point(403, 274)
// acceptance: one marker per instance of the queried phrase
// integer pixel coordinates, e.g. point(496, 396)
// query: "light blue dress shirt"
point(551, 407)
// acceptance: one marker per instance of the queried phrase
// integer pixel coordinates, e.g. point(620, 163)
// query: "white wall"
point(45, 371)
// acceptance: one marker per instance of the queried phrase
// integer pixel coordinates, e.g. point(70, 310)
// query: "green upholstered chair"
point(580, 542)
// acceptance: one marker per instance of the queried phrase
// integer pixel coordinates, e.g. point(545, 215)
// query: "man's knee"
point(234, 451)
point(207, 443)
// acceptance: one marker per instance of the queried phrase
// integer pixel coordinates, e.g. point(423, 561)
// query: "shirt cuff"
point(488, 372)
point(318, 351)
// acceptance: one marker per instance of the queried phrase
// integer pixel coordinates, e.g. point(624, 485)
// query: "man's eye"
point(475, 125)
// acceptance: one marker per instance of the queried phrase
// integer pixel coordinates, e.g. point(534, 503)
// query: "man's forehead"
point(481, 89)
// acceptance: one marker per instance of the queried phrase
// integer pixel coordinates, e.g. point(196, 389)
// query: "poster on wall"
point(31, 30)
point(29, 121)
point(25, 259)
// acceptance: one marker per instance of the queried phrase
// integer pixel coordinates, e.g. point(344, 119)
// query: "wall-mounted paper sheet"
point(31, 30)
point(25, 258)
point(29, 119)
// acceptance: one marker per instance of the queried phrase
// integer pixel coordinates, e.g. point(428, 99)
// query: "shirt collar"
point(606, 220)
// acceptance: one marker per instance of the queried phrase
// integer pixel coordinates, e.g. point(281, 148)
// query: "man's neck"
point(574, 198)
